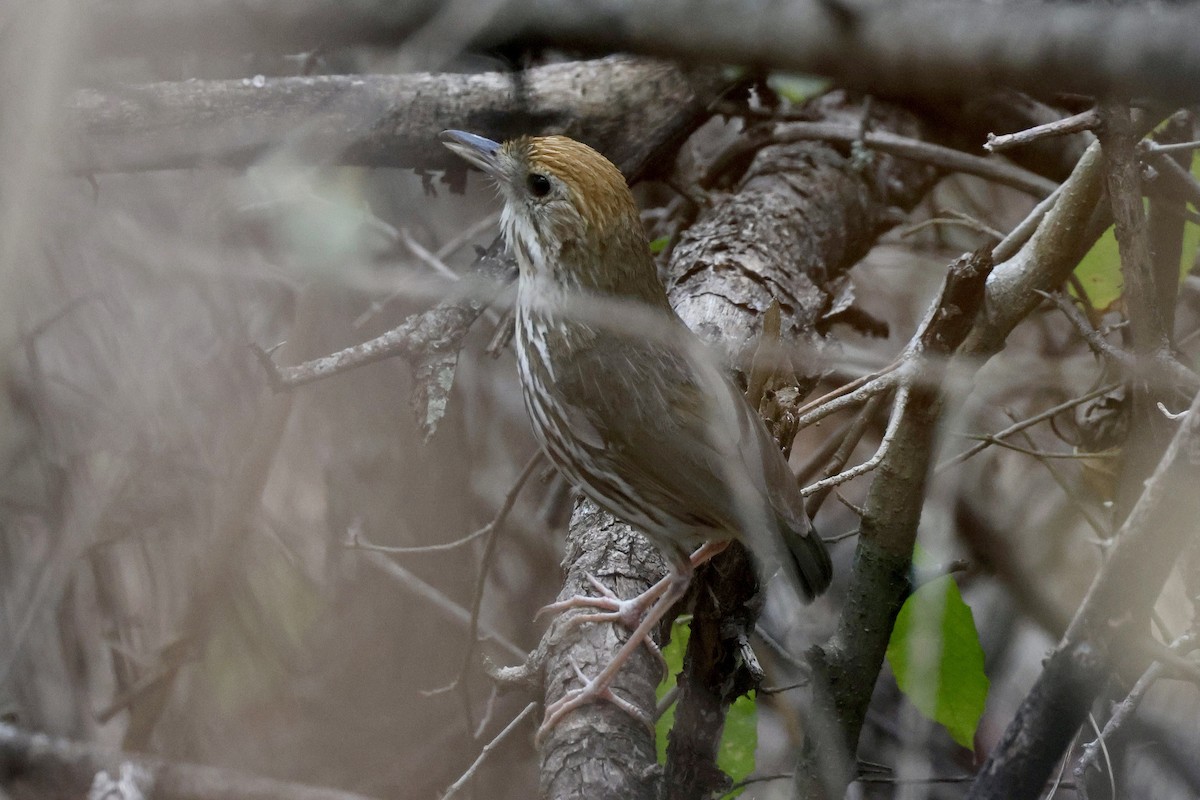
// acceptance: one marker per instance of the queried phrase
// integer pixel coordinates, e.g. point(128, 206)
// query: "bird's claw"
point(611, 609)
point(590, 692)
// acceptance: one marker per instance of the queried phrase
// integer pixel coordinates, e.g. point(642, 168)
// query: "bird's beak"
point(476, 150)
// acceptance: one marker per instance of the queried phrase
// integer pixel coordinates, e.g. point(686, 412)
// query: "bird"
point(624, 399)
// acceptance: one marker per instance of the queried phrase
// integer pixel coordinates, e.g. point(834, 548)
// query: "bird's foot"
point(593, 689)
point(610, 607)
point(613, 609)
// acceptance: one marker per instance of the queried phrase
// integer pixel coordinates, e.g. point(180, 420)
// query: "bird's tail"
point(813, 569)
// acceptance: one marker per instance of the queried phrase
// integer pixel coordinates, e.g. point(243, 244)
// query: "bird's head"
point(568, 215)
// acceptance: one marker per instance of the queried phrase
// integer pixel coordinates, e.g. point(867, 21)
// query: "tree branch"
point(379, 120)
point(912, 48)
point(945, 158)
point(34, 765)
point(845, 668)
point(1097, 643)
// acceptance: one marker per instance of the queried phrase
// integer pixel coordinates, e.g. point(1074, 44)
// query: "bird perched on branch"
point(624, 399)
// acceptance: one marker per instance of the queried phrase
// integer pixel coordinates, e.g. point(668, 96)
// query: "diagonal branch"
point(1114, 613)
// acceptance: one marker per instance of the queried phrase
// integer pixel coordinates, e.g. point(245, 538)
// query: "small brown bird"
point(623, 397)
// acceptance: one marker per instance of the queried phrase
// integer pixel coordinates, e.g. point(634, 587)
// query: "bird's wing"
point(764, 499)
point(681, 433)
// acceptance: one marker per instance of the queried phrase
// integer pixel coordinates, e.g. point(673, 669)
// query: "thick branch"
point(376, 120)
point(600, 751)
point(36, 766)
point(800, 217)
point(1043, 263)
point(1118, 140)
point(1165, 220)
point(907, 48)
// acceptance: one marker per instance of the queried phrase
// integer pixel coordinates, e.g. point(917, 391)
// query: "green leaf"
point(739, 741)
point(1100, 272)
point(796, 87)
point(935, 655)
point(673, 653)
point(1100, 269)
point(659, 244)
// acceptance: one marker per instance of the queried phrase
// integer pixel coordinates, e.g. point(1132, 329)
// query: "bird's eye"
point(539, 185)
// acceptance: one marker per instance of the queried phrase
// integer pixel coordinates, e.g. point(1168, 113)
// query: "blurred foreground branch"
point(34, 766)
point(923, 48)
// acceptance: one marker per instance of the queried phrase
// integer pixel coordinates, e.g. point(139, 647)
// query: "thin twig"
point(1177, 665)
point(914, 781)
point(1177, 147)
point(902, 396)
point(955, 218)
point(666, 701)
point(1083, 326)
point(770, 690)
point(487, 749)
point(1125, 709)
point(1171, 415)
point(857, 391)
point(839, 537)
point(753, 779)
point(1021, 233)
point(424, 256)
point(1084, 121)
point(1160, 364)
point(359, 542)
point(494, 527)
point(1062, 769)
point(1049, 413)
point(1185, 181)
point(857, 510)
point(989, 439)
point(917, 150)
point(850, 440)
point(437, 599)
point(1103, 533)
point(454, 244)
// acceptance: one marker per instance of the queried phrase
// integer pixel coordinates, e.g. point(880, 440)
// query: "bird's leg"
point(674, 586)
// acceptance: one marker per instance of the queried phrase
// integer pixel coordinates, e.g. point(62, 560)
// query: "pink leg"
point(672, 588)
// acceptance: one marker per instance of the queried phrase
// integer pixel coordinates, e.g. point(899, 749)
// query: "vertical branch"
point(846, 667)
point(1118, 142)
point(1147, 318)
point(717, 668)
point(1166, 221)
